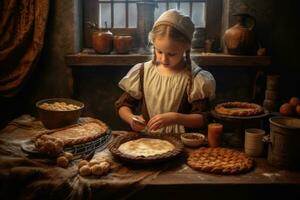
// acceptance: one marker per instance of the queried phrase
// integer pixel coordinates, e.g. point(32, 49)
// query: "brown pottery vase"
point(102, 41)
point(240, 39)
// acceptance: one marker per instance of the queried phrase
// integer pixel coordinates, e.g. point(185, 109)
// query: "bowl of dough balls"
point(59, 112)
point(192, 139)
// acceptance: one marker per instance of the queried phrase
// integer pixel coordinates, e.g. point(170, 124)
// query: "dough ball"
point(68, 155)
point(85, 170)
point(105, 166)
point(97, 170)
point(93, 162)
point(62, 161)
point(82, 163)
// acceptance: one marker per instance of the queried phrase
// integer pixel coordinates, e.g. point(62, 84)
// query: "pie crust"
point(79, 133)
point(175, 148)
point(220, 161)
point(146, 147)
point(237, 108)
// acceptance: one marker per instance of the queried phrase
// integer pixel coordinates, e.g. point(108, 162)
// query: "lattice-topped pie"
point(220, 160)
point(239, 109)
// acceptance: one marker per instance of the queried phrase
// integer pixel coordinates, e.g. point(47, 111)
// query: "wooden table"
point(263, 181)
point(176, 181)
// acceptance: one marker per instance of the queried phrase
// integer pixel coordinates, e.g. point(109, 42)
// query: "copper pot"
point(123, 44)
point(102, 41)
point(240, 39)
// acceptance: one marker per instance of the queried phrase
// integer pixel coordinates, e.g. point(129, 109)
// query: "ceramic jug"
point(102, 39)
point(240, 39)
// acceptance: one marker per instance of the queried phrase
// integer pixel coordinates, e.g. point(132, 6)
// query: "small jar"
point(208, 46)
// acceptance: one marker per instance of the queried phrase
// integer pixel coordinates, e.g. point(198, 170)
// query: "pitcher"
point(240, 39)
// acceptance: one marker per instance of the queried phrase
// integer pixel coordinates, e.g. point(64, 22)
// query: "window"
point(117, 14)
point(122, 16)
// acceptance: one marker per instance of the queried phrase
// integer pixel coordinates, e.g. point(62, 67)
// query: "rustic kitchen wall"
point(285, 46)
point(276, 29)
point(262, 11)
point(52, 77)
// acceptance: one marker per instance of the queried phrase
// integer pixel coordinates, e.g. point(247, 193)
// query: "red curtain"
point(22, 29)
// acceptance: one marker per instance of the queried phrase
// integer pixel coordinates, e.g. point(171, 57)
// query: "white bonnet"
point(178, 21)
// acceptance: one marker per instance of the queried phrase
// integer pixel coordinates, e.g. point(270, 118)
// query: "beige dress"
point(164, 93)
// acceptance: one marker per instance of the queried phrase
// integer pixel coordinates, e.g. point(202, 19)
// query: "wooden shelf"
point(202, 59)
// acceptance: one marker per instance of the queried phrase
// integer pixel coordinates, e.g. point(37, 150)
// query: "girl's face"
point(169, 53)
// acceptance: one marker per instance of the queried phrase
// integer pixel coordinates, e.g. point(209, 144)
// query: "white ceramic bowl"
point(192, 139)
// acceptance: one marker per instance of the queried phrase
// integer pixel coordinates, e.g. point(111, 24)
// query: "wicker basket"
point(82, 150)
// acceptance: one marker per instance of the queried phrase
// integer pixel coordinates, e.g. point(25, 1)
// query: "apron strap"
point(143, 104)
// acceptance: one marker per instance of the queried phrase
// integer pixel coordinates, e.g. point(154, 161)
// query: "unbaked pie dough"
point(146, 147)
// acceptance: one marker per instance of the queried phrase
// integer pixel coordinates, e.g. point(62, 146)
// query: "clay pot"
point(102, 41)
point(123, 44)
point(240, 39)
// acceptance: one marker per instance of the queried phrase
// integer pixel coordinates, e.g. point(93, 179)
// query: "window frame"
point(90, 9)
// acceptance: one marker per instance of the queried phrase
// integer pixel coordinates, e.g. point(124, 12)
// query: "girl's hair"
point(173, 34)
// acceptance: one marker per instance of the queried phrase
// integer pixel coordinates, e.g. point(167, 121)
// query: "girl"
point(173, 92)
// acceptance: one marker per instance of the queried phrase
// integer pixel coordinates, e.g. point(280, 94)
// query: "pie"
point(237, 108)
point(137, 148)
point(220, 161)
point(77, 134)
point(146, 147)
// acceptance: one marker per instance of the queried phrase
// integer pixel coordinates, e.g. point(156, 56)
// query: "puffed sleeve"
point(204, 86)
point(131, 82)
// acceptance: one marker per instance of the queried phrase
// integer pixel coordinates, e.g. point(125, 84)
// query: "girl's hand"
point(138, 123)
point(161, 120)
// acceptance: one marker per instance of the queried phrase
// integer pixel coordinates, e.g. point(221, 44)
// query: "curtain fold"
point(22, 30)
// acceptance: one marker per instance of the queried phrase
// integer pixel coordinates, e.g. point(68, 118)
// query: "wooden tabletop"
point(21, 173)
point(262, 173)
point(264, 181)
